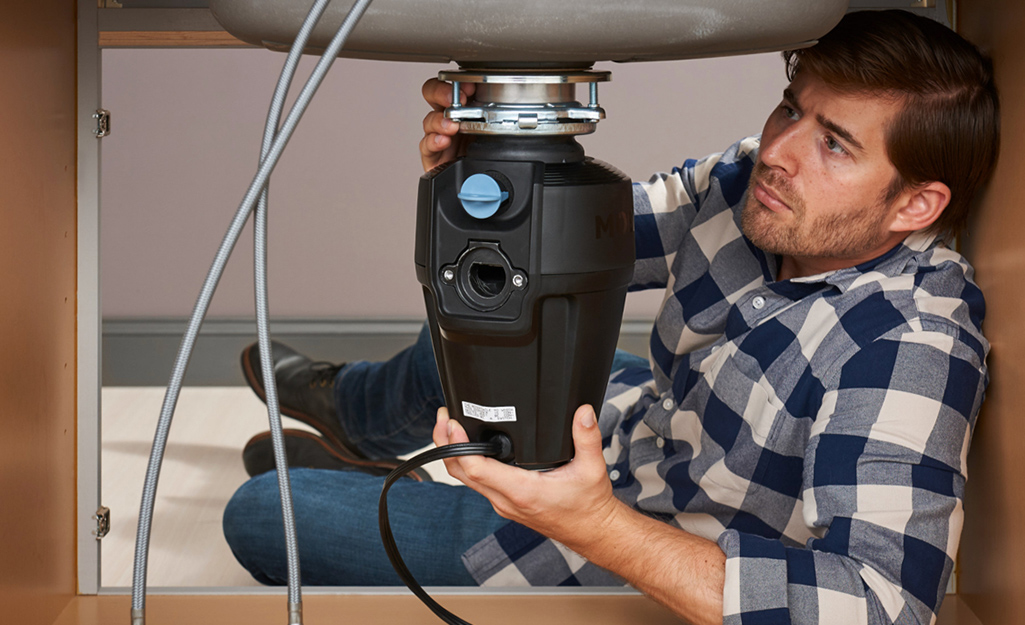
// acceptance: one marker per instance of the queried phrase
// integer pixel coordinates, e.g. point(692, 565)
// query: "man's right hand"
point(440, 143)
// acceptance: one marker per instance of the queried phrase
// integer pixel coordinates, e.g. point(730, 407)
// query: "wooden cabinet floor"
point(368, 610)
point(397, 610)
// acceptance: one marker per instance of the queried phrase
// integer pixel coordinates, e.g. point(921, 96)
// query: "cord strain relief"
point(138, 616)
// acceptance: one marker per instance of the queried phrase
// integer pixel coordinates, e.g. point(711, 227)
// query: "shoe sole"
point(417, 474)
point(255, 379)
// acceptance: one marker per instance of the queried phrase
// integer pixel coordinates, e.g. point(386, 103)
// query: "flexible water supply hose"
point(270, 386)
point(270, 155)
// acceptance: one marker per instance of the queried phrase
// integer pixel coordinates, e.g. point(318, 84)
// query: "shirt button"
point(668, 404)
point(660, 442)
point(614, 475)
point(758, 302)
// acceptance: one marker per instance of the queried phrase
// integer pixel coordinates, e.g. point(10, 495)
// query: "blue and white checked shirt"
point(817, 428)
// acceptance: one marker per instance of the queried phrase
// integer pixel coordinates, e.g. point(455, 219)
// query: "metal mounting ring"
point(524, 77)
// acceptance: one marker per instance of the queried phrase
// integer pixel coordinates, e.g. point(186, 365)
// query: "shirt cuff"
point(750, 558)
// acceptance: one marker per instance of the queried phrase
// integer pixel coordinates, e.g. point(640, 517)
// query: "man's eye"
point(834, 146)
point(789, 112)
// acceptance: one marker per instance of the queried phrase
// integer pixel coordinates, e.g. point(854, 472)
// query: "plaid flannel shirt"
point(817, 428)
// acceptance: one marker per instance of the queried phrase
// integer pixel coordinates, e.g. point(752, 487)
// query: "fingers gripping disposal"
point(524, 249)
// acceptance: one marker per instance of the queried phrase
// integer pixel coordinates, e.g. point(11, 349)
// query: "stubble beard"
point(839, 235)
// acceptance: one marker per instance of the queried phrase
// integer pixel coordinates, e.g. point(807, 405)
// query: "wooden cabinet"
point(40, 519)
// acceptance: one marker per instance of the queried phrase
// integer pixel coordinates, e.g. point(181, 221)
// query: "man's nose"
point(780, 152)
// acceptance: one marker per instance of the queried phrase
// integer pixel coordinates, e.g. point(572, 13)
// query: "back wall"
point(186, 130)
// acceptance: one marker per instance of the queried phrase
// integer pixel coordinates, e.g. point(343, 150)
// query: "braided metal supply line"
point(256, 189)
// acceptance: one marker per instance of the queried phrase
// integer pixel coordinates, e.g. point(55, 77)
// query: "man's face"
point(816, 194)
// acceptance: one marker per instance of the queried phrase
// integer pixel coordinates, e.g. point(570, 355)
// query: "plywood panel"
point(992, 580)
point(37, 313)
point(404, 609)
point(169, 39)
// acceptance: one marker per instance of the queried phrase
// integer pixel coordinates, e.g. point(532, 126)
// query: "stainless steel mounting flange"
point(526, 102)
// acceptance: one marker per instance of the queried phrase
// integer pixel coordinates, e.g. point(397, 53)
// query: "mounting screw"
point(519, 281)
point(457, 101)
point(448, 275)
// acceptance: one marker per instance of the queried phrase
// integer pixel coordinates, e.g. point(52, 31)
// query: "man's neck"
point(791, 267)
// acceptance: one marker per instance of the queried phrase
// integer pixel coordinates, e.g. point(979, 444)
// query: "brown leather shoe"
point(307, 450)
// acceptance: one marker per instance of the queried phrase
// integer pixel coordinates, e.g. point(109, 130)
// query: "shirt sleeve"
point(666, 206)
point(883, 481)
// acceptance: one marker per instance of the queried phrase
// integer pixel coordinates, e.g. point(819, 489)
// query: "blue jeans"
point(339, 540)
point(387, 409)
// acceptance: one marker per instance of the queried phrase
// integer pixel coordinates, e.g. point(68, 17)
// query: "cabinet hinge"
point(102, 518)
point(102, 117)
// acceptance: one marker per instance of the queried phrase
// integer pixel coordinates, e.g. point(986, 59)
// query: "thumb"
point(586, 436)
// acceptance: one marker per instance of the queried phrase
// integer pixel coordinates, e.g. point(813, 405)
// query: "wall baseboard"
point(141, 352)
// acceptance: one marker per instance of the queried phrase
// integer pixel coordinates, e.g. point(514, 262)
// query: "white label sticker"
point(490, 414)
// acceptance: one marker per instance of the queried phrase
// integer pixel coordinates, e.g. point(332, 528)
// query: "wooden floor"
point(202, 468)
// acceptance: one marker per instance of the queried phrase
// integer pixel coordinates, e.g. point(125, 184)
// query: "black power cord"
point(498, 447)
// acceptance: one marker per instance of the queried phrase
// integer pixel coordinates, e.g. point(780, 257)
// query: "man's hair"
point(949, 127)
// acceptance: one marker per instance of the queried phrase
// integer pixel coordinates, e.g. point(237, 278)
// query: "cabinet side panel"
point(992, 580)
point(37, 316)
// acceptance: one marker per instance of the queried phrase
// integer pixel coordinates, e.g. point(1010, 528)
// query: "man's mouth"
point(770, 198)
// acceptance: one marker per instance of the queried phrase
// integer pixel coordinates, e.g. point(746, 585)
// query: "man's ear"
point(918, 207)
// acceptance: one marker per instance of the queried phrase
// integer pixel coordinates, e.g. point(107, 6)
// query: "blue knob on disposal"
point(481, 196)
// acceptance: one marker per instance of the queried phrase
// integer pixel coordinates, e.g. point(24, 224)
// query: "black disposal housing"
point(525, 305)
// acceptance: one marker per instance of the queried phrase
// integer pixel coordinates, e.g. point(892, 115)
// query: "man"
point(795, 449)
